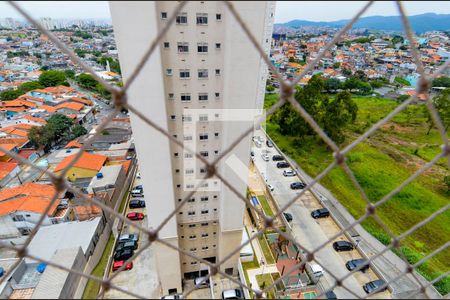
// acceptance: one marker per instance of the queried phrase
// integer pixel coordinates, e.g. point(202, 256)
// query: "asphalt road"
point(311, 233)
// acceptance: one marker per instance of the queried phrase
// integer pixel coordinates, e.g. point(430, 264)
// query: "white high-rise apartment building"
point(204, 62)
point(48, 23)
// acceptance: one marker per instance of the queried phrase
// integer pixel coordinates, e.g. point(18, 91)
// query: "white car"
point(138, 175)
point(289, 173)
point(265, 157)
point(258, 143)
point(270, 187)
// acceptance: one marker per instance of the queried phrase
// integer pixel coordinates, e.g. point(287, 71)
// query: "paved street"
point(311, 233)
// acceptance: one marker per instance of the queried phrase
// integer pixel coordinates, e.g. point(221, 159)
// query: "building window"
point(190, 186)
point(166, 45)
point(217, 96)
point(188, 137)
point(184, 74)
point(178, 185)
point(185, 97)
point(175, 154)
point(171, 96)
point(191, 213)
point(205, 235)
point(202, 170)
point(204, 211)
point(203, 136)
point(216, 152)
point(202, 19)
point(192, 225)
point(193, 249)
point(205, 198)
point(182, 18)
point(204, 224)
point(189, 171)
point(204, 153)
point(217, 72)
point(193, 262)
point(188, 155)
point(183, 47)
point(205, 248)
point(186, 118)
point(217, 45)
point(218, 17)
point(203, 73)
point(216, 134)
point(203, 97)
point(202, 47)
point(172, 117)
point(190, 201)
point(203, 118)
point(177, 170)
point(169, 72)
point(163, 15)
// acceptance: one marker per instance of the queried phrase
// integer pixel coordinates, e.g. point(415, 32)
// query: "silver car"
point(289, 173)
point(127, 236)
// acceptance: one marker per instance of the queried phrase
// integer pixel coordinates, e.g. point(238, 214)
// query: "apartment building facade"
point(203, 74)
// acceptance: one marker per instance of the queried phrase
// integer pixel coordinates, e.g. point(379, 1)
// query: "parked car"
point(201, 282)
point(277, 158)
point(343, 246)
point(138, 175)
point(123, 254)
point(317, 270)
point(269, 143)
point(331, 295)
point(282, 164)
point(297, 185)
point(265, 157)
point(119, 264)
point(374, 286)
point(270, 187)
point(126, 245)
point(356, 263)
point(137, 193)
point(252, 153)
point(131, 237)
point(134, 216)
point(258, 143)
point(136, 203)
point(320, 213)
point(233, 294)
point(288, 216)
point(289, 173)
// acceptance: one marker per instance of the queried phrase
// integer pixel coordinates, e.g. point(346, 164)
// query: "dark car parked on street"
point(277, 158)
point(269, 144)
point(343, 246)
point(356, 263)
point(123, 254)
point(374, 286)
point(320, 213)
point(297, 185)
point(282, 164)
point(126, 245)
point(136, 203)
point(288, 217)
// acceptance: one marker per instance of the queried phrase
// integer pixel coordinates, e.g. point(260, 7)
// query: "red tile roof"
point(87, 161)
point(6, 168)
point(70, 105)
point(48, 108)
point(34, 119)
point(29, 196)
point(81, 100)
point(72, 144)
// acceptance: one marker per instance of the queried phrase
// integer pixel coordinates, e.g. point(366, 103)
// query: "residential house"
point(69, 108)
point(7, 171)
point(87, 166)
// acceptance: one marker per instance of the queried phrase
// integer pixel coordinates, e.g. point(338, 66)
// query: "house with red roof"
point(7, 171)
point(69, 107)
point(87, 166)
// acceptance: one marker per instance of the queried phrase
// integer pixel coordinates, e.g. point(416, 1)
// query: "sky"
point(285, 10)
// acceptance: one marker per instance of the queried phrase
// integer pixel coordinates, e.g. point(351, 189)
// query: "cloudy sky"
point(285, 11)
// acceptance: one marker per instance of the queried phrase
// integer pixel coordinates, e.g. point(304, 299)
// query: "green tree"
point(333, 84)
point(364, 88)
point(447, 182)
point(442, 104)
point(86, 81)
point(70, 74)
point(57, 125)
point(52, 78)
point(77, 131)
point(402, 97)
point(40, 137)
point(10, 94)
point(346, 72)
point(402, 81)
point(360, 75)
point(29, 86)
point(270, 88)
point(336, 65)
point(351, 84)
point(442, 81)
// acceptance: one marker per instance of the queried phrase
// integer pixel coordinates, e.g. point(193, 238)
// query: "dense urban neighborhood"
point(50, 108)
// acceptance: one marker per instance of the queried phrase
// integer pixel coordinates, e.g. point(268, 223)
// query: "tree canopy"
point(52, 78)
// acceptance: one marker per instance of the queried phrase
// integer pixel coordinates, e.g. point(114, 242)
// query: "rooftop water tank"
point(99, 175)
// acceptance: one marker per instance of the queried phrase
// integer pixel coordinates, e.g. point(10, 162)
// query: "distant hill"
point(419, 23)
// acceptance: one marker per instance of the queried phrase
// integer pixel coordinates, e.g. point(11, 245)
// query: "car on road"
point(317, 270)
point(118, 264)
point(320, 213)
point(374, 286)
point(282, 164)
point(126, 245)
point(356, 263)
point(277, 157)
point(123, 254)
point(258, 143)
point(138, 175)
point(265, 157)
point(233, 294)
point(289, 173)
point(136, 203)
point(297, 185)
point(270, 187)
point(137, 193)
point(128, 236)
point(269, 144)
point(134, 216)
point(343, 246)
point(201, 282)
point(288, 216)
point(252, 153)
